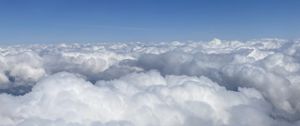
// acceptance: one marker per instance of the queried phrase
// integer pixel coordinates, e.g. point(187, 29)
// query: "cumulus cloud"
point(214, 83)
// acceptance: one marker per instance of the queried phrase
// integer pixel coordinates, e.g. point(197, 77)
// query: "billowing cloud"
point(214, 83)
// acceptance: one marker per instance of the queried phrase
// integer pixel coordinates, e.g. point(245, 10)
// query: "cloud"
point(177, 83)
point(135, 99)
point(20, 69)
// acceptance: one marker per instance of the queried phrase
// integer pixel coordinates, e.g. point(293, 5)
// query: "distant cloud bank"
point(215, 83)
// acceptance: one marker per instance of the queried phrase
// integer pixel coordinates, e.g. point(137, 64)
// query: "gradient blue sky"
point(41, 21)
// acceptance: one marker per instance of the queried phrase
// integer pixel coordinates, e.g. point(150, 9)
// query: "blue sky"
point(41, 21)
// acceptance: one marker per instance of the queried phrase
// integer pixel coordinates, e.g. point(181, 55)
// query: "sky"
point(50, 21)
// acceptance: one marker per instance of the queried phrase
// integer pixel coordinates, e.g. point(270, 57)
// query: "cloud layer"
point(215, 83)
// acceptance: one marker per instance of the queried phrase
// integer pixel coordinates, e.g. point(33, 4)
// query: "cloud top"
point(215, 83)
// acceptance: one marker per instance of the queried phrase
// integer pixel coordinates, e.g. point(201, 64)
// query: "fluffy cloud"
point(135, 99)
point(178, 83)
point(20, 69)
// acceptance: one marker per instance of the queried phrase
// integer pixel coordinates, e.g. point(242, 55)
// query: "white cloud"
point(176, 83)
point(138, 99)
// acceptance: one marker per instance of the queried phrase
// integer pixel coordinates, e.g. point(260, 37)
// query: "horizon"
point(149, 42)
